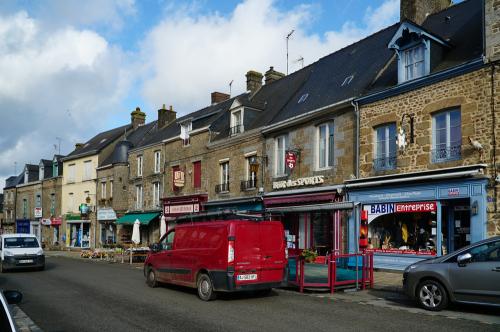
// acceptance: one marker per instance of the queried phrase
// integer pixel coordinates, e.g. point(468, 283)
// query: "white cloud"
point(63, 84)
point(188, 54)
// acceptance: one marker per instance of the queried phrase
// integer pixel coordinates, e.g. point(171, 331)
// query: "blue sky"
point(74, 68)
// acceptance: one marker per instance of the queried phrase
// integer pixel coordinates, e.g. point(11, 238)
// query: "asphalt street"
point(78, 295)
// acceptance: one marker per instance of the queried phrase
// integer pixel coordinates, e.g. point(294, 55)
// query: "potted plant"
point(308, 255)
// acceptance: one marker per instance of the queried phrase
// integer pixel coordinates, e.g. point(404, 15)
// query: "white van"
point(20, 251)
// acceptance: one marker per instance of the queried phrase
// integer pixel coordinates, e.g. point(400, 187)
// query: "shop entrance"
point(455, 225)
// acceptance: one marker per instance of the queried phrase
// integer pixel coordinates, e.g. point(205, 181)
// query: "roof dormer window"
point(236, 122)
point(41, 170)
point(413, 62)
point(186, 128)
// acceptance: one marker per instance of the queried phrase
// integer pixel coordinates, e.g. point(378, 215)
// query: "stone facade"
point(492, 29)
point(51, 207)
point(9, 208)
point(472, 94)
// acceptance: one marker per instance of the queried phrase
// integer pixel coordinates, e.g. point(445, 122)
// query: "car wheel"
point(151, 278)
point(205, 288)
point(431, 295)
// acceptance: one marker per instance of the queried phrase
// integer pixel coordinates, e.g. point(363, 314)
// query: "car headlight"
point(39, 252)
point(8, 253)
point(411, 267)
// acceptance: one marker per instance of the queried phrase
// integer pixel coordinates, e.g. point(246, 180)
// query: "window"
point(446, 136)
point(325, 145)
point(156, 194)
point(139, 166)
point(185, 130)
point(385, 147)
point(103, 190)
point(280, 144)
point(223, 185)
point(55, 169)
point(25, 208)
point(197, 174)
point(71, 173)
point(251, 174)
point(488, 252)
point(38, 201)
point(87, 170)
point(52, 204)
point(40, 173)
point(110, 189)
point(71, 202)
point(26, 176)
point(138, 197)
point(414, 62)
point(157, 161)
point(236, 122)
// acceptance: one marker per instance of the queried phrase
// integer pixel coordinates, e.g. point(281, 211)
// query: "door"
point(181, 256)
point(163, 258)
point(272, 239)
point(247, 252)
point(478, 280)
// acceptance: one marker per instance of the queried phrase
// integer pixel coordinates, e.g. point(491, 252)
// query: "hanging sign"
point(38, 212)
point(179, 178)
point(46, 222)
point(290, 159)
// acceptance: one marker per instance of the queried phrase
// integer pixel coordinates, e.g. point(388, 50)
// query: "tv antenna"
point(301, 60)
point(230, 86)
point(287, 38)
point(15, 167)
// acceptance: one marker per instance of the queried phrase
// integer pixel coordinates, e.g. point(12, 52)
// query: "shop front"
point(78, 233)
point(23, 226)
point(181, 205)
point(247, 204)
point(407, 220)
point(106, 218)
point(313, 218)
point(149, 228)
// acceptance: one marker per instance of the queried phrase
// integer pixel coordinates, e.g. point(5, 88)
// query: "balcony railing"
point(235, 130)
point(385, 163)
point(221, 188)
point(446, 154)
point(248, 184)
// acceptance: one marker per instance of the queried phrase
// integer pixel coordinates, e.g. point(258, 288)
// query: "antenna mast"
point(59, 139)
point(287, 38)
point(230, 86)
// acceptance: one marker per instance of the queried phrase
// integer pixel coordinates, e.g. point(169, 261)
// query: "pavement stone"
point(22, 321)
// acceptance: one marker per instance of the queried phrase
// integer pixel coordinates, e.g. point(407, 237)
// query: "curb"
point(22, 321)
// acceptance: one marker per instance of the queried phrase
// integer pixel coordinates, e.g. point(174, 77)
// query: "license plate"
point(24, 261)
point(247, 277)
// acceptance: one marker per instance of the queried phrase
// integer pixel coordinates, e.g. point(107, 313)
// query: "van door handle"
point(267, 257)
point(169, 254)
point(497, 269)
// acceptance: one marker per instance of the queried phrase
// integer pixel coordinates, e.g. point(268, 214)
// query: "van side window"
point(168, 241)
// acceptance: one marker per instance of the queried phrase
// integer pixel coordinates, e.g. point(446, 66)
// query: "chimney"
point(166, 116)
point(138, 118)
point(418, 10)
point(78, 146)
point(492, 30)
point(217, 97)
point(273, 75)
point(254, 81)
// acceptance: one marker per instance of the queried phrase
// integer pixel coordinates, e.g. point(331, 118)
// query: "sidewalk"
point(22, 321)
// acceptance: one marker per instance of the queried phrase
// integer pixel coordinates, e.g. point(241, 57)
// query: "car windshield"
point(21, 242)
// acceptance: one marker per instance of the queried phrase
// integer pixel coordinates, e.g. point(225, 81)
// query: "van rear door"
point(273, 259)
point(247, 252)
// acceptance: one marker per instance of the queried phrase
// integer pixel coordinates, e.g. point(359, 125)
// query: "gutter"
point(423, 81)
point(358, 121)
point(303, 117)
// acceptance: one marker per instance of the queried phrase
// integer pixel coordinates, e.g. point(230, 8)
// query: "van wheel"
point(431, 295)
point(151, 278)
point(205, 288)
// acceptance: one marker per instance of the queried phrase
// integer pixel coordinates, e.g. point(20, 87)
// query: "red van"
point(220, 255)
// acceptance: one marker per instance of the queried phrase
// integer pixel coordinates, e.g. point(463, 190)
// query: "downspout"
point(356, 112)
point(493, 126)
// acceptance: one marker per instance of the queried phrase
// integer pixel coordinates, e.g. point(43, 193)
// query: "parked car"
point(6, 320)
point(221, 255)
point(468, 275)
point(20, 251)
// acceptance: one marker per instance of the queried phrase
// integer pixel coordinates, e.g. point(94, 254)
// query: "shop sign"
point(179, 179)
point(403, 252)
point(309, 181)
point(452, 192)
point(55, 221)
point(46, 222)
point(375, 210)
point(106, 214)
point(185, 208)
point(84, 208)
point(38, 212)
point(290, 159)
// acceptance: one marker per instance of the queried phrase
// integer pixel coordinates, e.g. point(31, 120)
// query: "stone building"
point(427, 182)
point(29, 202)
point(10, 194)
point(50, 174)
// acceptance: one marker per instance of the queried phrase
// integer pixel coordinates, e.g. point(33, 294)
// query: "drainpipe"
point(493, 125)
point(356, 111)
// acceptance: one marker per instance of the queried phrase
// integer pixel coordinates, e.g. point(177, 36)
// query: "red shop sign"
point(290, 159)
point(416, 207)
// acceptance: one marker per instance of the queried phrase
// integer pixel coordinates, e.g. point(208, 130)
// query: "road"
point(78, 295)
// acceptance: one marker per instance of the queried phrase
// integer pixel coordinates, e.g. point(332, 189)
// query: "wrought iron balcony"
point(248, 184)
point(221, 188)
point(446, 154)
point(235, 130)
point(385, 163)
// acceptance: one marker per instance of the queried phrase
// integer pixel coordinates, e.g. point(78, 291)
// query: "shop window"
point(325, 145)
point(79, 235)
point(280, 147)
point(385, 147)
point(446, 136)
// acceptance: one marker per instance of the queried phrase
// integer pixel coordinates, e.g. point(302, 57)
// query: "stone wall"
point(492, 29)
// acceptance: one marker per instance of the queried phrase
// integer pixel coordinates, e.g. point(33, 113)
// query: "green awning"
point(144, 218)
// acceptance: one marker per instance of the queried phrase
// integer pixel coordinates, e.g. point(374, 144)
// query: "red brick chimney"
point(217, 97)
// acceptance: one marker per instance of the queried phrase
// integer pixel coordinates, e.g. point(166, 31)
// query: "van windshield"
point(21, 242)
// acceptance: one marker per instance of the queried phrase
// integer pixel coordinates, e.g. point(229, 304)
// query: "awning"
point(144, 218)
point(313, 207)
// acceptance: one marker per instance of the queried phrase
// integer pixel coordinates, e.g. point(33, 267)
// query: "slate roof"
point(47, 168)
point(98, 142)
point(459, 25)
point(33, 171)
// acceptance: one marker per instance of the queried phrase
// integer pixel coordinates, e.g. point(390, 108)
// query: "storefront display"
point(79, 233)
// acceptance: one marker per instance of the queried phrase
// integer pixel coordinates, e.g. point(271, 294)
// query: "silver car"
point(468, 275)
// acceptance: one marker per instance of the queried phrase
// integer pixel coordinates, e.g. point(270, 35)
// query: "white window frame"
point(41, 171)
point(448, 130)
point(279, 169)
point(139, 165)
point(327, 146)
point(156, 194)
point(224, 174)
point(157, 162)
point(405, 54)
point(111, 189)
point(251, 175)
point(387, 142)
point(138, 197)
point(103, 190)
point(71, 173)
point(87, 170)
point(186, 129)
point(234, 121)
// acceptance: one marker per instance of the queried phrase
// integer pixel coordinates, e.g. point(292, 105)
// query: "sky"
point(70, 69)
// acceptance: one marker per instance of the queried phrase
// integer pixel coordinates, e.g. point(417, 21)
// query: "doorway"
point(455, 225)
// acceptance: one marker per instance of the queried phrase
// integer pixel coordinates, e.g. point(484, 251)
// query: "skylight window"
point(103, 140)
point(303, 98)
point(347, 80)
